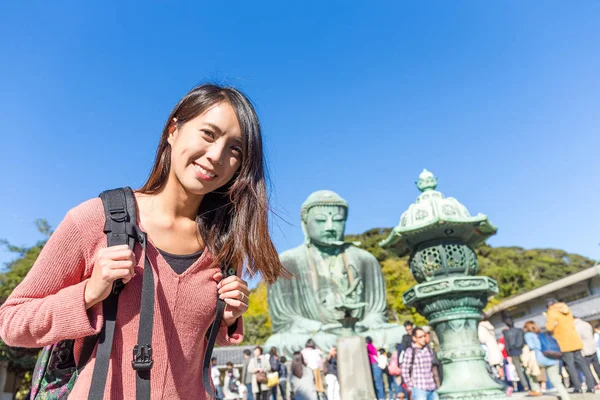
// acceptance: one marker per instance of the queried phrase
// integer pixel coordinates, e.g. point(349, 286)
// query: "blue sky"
point(500, 101)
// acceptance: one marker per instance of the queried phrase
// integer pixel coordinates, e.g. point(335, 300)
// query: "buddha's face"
point(325, 225)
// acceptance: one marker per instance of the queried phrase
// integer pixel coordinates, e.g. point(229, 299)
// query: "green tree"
point(516, 270)
point(257, 321)
point(20, 360)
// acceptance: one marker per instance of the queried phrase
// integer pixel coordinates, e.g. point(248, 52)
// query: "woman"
point(283, 377)
point(487, 337)
point(302, 379)
point(204, 205)
point(552, 366)
point(331, 375)
point(274, 361)
point(312, 356)
point(375, 369)
point(259, 367)
point(597, 339)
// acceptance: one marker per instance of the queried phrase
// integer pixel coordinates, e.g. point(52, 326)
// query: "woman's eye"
point(237, 150)
point(208, 133)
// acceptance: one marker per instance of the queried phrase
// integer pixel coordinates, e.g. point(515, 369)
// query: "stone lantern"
point(440, 235)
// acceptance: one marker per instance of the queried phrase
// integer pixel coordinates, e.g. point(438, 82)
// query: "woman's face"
point(206, 151)
point(257, 352)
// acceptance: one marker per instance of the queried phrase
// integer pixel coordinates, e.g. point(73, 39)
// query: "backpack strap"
point(211, 337)
point(142, 352)
point(120, 228)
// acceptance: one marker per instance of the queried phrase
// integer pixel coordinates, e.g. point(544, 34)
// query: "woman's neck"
point(174, 202)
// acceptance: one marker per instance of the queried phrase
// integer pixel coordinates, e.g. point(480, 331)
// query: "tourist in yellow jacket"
point(561, 324)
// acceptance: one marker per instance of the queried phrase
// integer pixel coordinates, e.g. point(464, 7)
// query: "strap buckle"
point(142, 357)
point(118, 214)
point(118, 286)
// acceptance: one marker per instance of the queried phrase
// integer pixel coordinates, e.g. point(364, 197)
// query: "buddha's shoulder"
point(360, 254)
point(292, 257)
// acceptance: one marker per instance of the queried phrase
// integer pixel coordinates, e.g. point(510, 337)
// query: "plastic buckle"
point(118, 215)
point(118, 286)
point(142, 357)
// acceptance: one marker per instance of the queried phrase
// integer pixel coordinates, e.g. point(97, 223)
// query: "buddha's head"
point(324, 215)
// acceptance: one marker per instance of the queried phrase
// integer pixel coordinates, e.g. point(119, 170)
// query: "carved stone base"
point(453, 307)
point(354, 369)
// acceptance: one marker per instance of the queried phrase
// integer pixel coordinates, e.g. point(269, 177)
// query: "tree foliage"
point(515, 269)
point(257, 321)
point(20, 360)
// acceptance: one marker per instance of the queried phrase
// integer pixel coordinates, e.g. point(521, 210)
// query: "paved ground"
point(551, 396)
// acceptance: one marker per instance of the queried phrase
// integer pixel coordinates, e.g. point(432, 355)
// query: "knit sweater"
point(48, 306)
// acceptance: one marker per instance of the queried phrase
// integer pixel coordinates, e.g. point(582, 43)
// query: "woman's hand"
point(110, 264)
point(234, 291)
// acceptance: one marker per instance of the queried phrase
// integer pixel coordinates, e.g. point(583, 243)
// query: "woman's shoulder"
point(88, 214)
point(88, 219)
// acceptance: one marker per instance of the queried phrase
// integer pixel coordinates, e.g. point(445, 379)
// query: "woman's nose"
point(215, 153)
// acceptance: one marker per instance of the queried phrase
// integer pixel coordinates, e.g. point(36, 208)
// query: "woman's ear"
point(172, 131)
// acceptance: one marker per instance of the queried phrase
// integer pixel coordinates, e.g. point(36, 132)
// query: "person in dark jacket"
point(407, 339)
point(275, 366)
point(514, 340)
point(331, 375)
point(283, 377)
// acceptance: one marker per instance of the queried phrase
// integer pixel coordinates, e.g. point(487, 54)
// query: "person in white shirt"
point(216, 377)
point(597, 339)
point(382, 360)
point(312, 358)
point(231, 383)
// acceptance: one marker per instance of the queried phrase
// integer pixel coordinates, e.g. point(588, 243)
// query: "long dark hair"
point(233, 220)
point(298, 364)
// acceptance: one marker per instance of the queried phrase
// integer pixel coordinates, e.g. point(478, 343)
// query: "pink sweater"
point(48, 306)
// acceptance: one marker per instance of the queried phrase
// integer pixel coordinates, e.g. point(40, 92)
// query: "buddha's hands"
point(331, 327)
point(360, 327)
point(234, 291)
point(301, 324)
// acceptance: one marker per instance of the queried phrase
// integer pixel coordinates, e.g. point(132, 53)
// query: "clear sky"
point(501, 101)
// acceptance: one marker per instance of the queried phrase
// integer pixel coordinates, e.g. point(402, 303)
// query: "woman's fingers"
point(235, 294)
point(233, 283)
point(241, 306)
point(122, 264)
point(121, 252)
point(218, 276)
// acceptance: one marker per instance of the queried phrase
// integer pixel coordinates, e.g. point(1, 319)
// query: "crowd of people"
point(535, 359)
point(264, 376)
point(410, 371)
point(564, 353)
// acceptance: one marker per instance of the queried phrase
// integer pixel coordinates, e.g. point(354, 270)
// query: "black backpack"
point(120, 228)
point(233, 383)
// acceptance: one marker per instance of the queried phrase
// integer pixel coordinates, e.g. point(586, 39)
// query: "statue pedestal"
point(440, 235)
point(453, 306)
point(354, 369)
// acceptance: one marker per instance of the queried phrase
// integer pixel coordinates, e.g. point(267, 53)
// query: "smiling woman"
point(212, 140)
point(204, 207)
